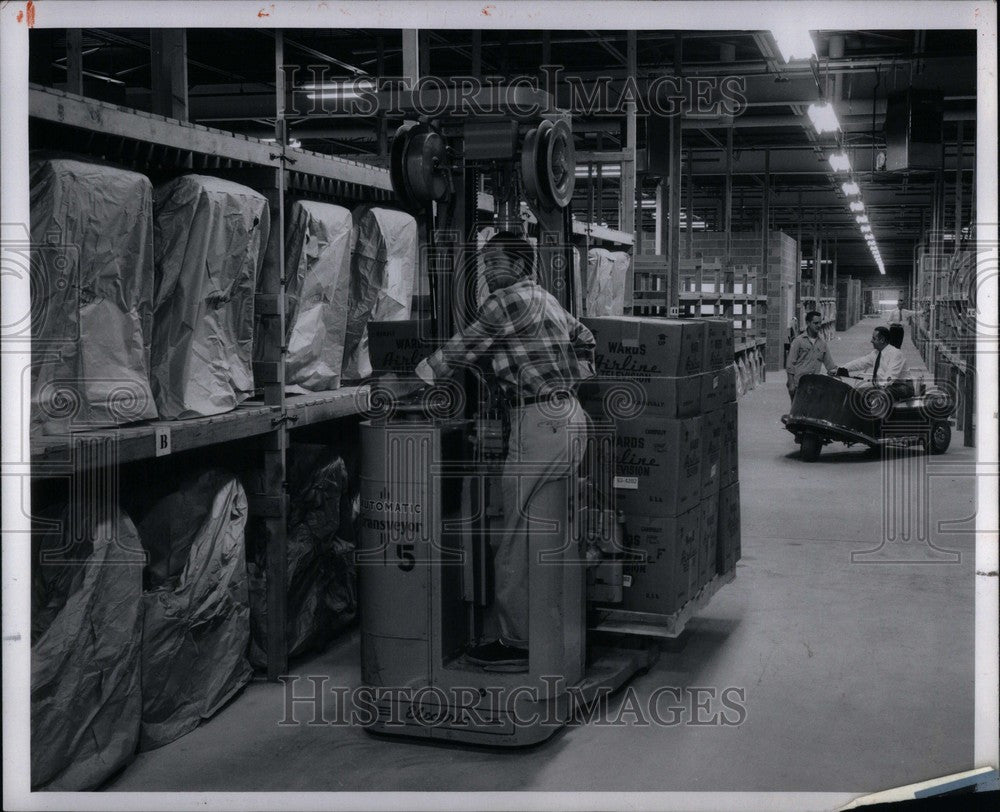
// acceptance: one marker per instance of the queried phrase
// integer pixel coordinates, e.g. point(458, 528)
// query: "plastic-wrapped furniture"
point(86, 637)
point(383, 274)
point(322, 596)
point(606, 275)
point(318, 270)
point(209, 242)
point(196, 624)
point(92, 295)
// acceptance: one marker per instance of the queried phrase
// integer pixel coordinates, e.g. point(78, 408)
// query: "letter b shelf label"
point(162, 442)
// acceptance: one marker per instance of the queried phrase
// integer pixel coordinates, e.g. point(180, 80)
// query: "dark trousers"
point(874, 401)
point(896, 335)
point(900, 390)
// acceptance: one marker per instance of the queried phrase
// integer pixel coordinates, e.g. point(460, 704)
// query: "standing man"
point(885, 365)
point(897, 317)
point(540, 353)
point(809, 353)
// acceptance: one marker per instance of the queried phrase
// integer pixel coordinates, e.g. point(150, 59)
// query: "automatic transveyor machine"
point(430, 489)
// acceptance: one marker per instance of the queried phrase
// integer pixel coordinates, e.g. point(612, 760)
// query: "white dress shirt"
point(892, 367)
point(901, 315)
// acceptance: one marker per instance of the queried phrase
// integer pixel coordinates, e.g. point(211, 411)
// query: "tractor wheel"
point(940, 437)
point(811, 446)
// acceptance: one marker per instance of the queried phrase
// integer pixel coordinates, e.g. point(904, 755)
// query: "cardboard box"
point(643, 348)
point(657, 470)
point(398, 346)
point(667, 575)
point(729, 456)
point(711, 448)
point(709, 538)
point(719, 343)
point(728, 548)
point(610, 399)
point(718, 388)
point(604, 582)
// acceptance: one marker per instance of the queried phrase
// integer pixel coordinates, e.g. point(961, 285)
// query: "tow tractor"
point(827, 409)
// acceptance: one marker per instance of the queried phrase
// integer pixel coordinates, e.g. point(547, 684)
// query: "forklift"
point(430, 466)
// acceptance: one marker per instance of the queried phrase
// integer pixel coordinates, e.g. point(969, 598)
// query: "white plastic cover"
point(86, 635)
point(318, 270)
point(209, 242)
point(321, 580)
point(606, 275)
point(92, 295)
point(196, 619)
point(383, 274)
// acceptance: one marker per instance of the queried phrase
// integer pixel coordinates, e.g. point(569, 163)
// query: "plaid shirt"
point(537, 348)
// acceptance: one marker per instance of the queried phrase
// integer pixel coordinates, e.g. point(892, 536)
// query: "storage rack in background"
point(945, 328)
point(848, 302)
point(825, 303)
point(708, 288)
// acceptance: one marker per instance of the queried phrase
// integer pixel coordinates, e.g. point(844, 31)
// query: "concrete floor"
point(858, 675)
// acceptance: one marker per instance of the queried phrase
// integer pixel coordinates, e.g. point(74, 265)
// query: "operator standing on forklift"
point(540, 353)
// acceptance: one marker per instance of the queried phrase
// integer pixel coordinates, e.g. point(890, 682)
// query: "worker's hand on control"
point(843, 373)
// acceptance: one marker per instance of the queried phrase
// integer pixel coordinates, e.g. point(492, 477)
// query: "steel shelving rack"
point(156, 144)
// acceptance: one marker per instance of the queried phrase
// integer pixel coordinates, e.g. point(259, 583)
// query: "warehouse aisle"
point(855, 675)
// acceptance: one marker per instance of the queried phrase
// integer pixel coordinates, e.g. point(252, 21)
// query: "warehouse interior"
point(723, 185)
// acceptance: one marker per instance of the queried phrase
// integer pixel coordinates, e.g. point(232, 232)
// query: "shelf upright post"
point(74, 61)
point(833, 275)
point(169, 76)
point(673, 246)
point(627, 219)
point(276, 442)
point(600, 182)
point(381, 120)
point(816, 267)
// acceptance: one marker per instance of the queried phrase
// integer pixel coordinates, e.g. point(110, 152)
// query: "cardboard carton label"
point(636, 346)
point(628, 482)
point(663, 575)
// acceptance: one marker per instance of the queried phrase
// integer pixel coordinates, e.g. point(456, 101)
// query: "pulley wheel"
point(427, 166)
point(397, 164)
point(529, 164)
point(560, 163)
point(548, 164)
point(419, 167)
point(542, 165)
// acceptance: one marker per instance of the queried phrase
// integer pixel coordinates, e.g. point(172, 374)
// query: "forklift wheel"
point(940, 437)
point(811, 446)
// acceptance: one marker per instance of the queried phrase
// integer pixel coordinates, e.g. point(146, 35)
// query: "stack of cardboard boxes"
point(665, 391)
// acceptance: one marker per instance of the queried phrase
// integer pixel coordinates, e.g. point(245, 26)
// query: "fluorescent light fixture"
point(823, 117)
point(794, 43)
point(607, 171)
point(857, 205)
point(839, 162)
point(862, 219)
point(341, 85)
point(340, 90)
point(850, 188)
